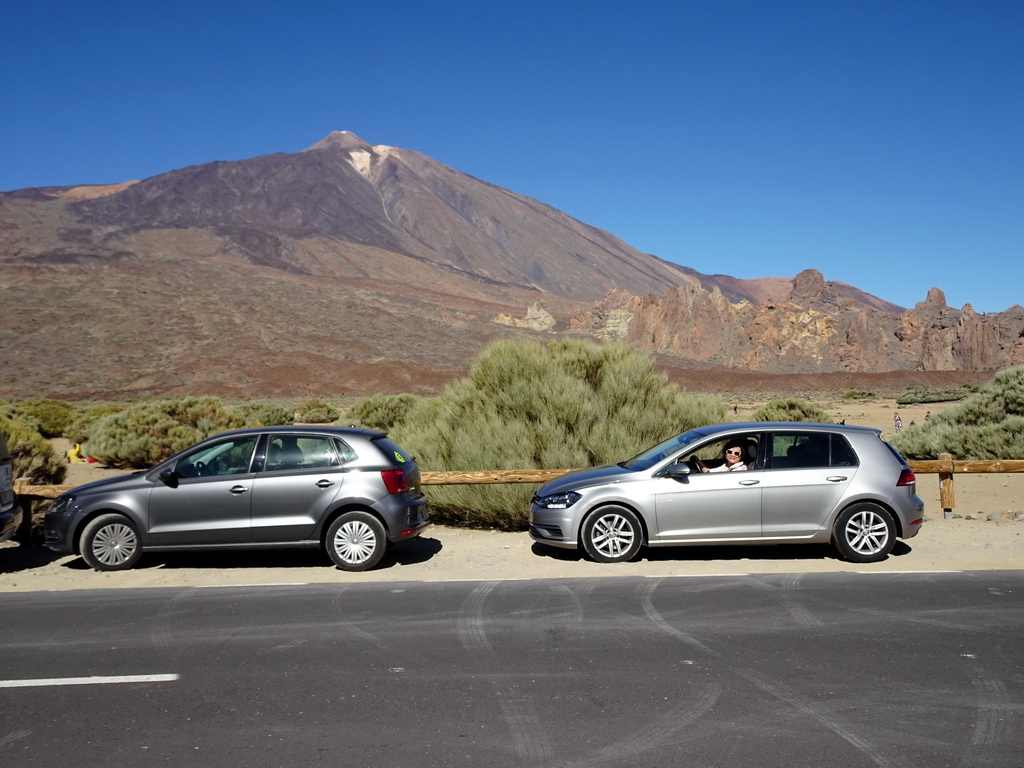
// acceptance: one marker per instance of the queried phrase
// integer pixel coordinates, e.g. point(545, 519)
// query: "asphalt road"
point(771, 670)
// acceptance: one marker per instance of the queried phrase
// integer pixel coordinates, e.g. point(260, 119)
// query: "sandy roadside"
point(970, 542)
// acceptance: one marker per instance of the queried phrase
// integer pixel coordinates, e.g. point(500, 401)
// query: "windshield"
point(662, 451)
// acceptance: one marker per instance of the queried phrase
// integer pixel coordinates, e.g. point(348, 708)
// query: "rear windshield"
point(392, 451)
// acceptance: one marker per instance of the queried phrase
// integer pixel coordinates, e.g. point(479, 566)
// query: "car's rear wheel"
point(864, 533)
point(612, 535)
point(356, 541)
point(110, 543)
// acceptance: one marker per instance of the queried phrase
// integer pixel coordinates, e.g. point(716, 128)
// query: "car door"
point(303, 476)
point(806, 476)
point(709, 505)
point(208, 499)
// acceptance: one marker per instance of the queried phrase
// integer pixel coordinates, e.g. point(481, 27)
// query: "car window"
point(226, 457)
point(301, 452)
point(809, 450)
point(712, 454)
point(344, 451)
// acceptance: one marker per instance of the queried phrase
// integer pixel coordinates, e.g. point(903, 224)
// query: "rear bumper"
point(9, 522)
point(406, 520)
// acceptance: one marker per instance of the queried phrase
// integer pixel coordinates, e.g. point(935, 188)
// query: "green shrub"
point(78, 430)
point(986, 425)
point(859, 394)
point(50, 417)
point(791, 409)
point(383, 411)
point(147, 433)
point(32, 456)
point(316, 411)
point(261, 414)
point(565, 405)
point(935, 395)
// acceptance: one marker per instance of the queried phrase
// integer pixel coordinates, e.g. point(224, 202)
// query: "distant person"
point(735, 410)
point(928, 415)
point(732, 459)
point(897, 422)
point(74, 454)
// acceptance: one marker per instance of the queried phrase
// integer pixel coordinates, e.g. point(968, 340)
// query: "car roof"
point(307, 429)
point(778, 426)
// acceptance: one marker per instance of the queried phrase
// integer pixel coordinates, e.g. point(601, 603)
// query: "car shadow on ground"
point(418, 550)
point(16, 557)
point(711, 553)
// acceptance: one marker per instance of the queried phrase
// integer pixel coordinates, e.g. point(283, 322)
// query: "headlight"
point(61, 505)
point(558, 500)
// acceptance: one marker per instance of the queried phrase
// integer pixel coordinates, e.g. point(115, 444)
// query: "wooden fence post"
point(946, 496)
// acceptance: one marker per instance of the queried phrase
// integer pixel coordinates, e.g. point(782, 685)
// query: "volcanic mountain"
point(353, 268)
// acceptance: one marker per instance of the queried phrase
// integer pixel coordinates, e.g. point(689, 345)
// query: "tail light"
point(906, 478)
point(397, 481)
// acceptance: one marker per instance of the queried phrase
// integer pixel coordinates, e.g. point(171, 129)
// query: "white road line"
point(52, 681)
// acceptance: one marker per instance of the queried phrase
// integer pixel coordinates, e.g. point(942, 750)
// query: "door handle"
point(237, 489)
point(324, 484)
point(749, 482)
point(835, 478)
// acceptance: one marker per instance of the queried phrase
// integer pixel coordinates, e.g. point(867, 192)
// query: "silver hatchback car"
point(756, 483)
point(349, 491)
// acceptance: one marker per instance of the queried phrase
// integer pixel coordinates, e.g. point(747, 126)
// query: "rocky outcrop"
point(812, 329)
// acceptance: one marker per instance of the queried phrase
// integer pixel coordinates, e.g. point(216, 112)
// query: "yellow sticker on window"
point(399, 457)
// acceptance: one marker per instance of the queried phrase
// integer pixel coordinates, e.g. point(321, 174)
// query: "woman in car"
point(732, 458)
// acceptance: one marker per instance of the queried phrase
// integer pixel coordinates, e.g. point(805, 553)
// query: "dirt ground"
point(986, 533)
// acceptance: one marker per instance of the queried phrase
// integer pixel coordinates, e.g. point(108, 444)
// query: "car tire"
point(612, 535)
point(356, 541)
point(110, 543)
point(864, 533)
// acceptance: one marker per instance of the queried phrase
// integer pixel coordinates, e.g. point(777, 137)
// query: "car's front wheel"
point(110, 543)
point(864, 533)
point(612, 535)
point(356, 541)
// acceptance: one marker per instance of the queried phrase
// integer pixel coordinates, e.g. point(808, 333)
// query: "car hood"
point(583, 478)
point(136, 478)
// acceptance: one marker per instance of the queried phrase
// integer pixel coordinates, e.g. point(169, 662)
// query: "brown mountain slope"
point(351, 268)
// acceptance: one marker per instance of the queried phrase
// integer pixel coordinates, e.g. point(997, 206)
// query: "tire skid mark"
point(794, 611)
point(160, 634)
point(823, 716)
point(910, 619)
point(993, 706)
point(661, 731)
point(655, 617)
point(14, 736)
point(528, 737)
point(774, 689)
point(472, 632)
point(350, 625)
point(576, 610)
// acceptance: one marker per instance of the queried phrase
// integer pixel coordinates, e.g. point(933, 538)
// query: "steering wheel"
point(694, 463)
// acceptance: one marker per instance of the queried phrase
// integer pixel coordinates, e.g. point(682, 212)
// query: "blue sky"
point(880, 142)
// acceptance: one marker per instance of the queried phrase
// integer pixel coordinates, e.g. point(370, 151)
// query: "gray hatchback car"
point(349, 491)
point(757, 483)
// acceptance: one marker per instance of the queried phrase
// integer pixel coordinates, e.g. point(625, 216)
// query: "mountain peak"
point(345, 140)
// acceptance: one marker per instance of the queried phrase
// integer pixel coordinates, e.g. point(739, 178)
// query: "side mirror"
point(169, 478)
point(678, 471)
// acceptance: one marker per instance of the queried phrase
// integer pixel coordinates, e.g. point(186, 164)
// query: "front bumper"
point(552, 527)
